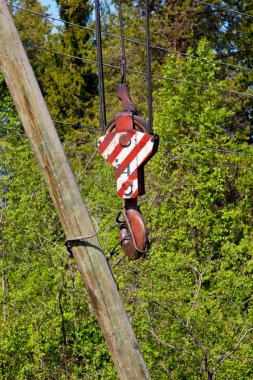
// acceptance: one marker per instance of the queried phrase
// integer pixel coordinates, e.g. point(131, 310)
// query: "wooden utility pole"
point(68, 202)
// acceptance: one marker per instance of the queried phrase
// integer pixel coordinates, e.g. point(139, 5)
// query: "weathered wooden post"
point(68, 202)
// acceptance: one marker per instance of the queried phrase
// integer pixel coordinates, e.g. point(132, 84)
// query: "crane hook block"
point(127, 146)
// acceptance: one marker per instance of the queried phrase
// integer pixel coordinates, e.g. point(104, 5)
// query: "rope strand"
point(144, 74)
point(123, 57)
point(138, 42)
point(224, 9)
point(100, 68)
point(149, 71)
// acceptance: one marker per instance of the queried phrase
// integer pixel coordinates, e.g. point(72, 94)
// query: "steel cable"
point(175, 143)
point(123, 50)
point(149, 70)
point(100, 67)
point(224, 9)
point(144, 74)
point(138, 42)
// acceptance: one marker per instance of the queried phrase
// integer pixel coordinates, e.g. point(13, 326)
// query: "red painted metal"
point(132, 232)
point(127, 145)
point(128, 150)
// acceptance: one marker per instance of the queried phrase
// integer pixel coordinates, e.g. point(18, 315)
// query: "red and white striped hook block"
point(128, 150)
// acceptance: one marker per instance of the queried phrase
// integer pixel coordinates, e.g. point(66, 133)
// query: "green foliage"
point(70, 84)
point(190, 301)
point(48, 329)
point(177, 26)
point(32, 29)
point(193, 291)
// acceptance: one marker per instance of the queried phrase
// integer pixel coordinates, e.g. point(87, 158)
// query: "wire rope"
point(149, 70)
point(102, 105)
point(200, 147)
point(135, 41)
point(224, 9)
point(144, 74)
point(123, 50)
point(216, 150)
point(76, 125)
point(232, 166)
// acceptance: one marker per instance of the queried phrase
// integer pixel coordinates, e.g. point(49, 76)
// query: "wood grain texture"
point(68, 202)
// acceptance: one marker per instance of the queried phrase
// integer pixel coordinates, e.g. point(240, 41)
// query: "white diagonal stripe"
point(137, 160)
point(133, 165)
point(126, 150)
point(130, 190)
point(110, 148)
point(144, 152)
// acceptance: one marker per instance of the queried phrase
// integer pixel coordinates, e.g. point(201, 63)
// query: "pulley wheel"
point(132, 234)
point(137, 225)
point(139, 125)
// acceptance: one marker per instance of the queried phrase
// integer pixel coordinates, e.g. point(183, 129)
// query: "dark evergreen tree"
point(70, 85)
point(33, 30)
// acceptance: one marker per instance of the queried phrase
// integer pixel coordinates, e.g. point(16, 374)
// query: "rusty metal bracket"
point(123, 94)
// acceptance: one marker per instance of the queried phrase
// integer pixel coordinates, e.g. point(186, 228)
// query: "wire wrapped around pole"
point(100, 67)
point(149, 71)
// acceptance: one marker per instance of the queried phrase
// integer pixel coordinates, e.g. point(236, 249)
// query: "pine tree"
point(33, 29)
point(179, 25)
point(69, 84)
